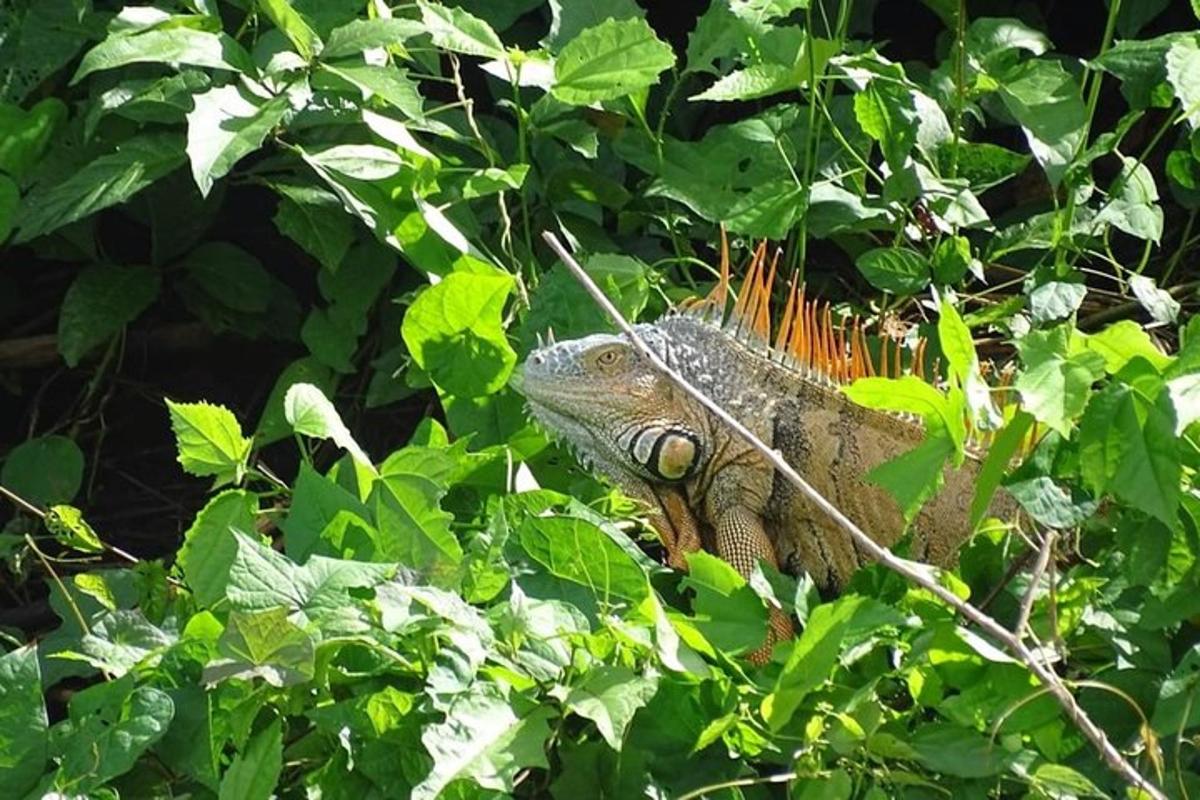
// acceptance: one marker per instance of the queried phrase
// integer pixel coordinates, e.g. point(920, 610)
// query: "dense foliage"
point(472, 616)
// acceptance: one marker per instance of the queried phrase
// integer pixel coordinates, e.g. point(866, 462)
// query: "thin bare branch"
point(1035, 578)
point(920, 574)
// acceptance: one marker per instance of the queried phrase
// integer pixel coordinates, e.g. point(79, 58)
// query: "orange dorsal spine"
point(807, 336)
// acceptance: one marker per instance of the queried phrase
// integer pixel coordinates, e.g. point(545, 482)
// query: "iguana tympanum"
point(704, 485)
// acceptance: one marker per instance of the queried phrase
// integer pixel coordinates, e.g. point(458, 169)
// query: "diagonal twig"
point(1035, 577)
point(913, 571)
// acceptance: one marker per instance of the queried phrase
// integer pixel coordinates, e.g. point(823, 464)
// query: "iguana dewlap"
point(705, 486)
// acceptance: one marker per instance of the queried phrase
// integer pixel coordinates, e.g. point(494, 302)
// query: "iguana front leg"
point(672, 519)
point(741, 538)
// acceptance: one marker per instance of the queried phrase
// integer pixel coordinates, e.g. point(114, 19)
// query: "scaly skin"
point(705, 486)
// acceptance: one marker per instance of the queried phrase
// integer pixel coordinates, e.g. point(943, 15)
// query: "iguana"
point(704, 485)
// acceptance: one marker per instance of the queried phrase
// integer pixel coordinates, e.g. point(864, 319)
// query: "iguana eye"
point(609, 357)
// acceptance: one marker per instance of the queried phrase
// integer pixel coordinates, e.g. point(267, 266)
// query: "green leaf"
point(907, 394)
point(263, 644)
point(1054, 385)
point(580, 552)
point(887, 112)
point(100, 183)
point(460, 31)
point(273, 425)
point(1123, 341)
point(67, 525)
point(912, 478)
point(954, 750)
point(413, 529)
point(769, 210)
point(226, 124)
point(484, 740)
point(493, 179)
point(314, 219)
point(1056, 300)
point(229, 275)
point(728, 612)
point(261, 579)
point(209, 546)
point(454, 333)
point(1183, 73)
point(23, 722)
point(563, 304)
point(1159, 302)
point(288, 20)
point(365, 162)
point(209, 441)
point(995, 464)
point(122, 639)
point(895, 269)
point(1128, 447)
point(387, 82)
point(367, 34)
point(1044, 99)
point(10, 199)
point(610, 60)
point(763, 80)
point(45, 471)
point(316, 502)
point(609, 697)
point(255, 770)
point(102, 300)
point(93, 750)
point(310, 413)
point(812, 660)
point(25, 135)
point(167, 46)
point(1051, 504)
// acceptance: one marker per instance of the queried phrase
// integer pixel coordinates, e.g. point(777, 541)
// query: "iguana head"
point(609, 403)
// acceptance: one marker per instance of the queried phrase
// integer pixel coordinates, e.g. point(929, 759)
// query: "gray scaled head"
point(613, 407)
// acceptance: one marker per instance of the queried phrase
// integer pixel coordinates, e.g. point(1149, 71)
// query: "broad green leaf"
point(454, 333)
point(569, 18)
point(231, 276)
point(578, 551)
point(493, 179)
point(887, 112)
point(93, 750)
point(609, 697)
point(895, 269)
point(812, 660)
point(413, 529)
point(314, 219)
point(261, 579)
point(907, 394)
point(727, 610)
point(1132, 205)
point(209, 546)
point(1183, 73)
point(1123, 341)
point(1128, 447)
point(66, 524)
point(364, 162)
point(763, 80)
point(1184, 392)
point(367, 34)
point(1044, 99)
point(262, 644)
point(1052, 504)
point(44, 471)
point(273, 425)
point(764, 10)
point(102, 300)
point(167, 46)
point(387, 82)
point(102, 182)
point(316, 501)
point(562, 303)
point(912, 478)
point(1140, 65)
point(769, 211)
point(1055, 300)
point(982, 164)
point(460, 31)
point(485, 740)
point(254, 771)
point(954, 750)
point(1054, 385)
point(293, 25)
point(25, 135)
point(1059, 780)
point(610, 60)
point(1159, 302)
point(10, 198)
point(209, 441)
point(995, 464)
point(311, 414)
point(226, 124)
point(122, 639)
point(23, 722)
